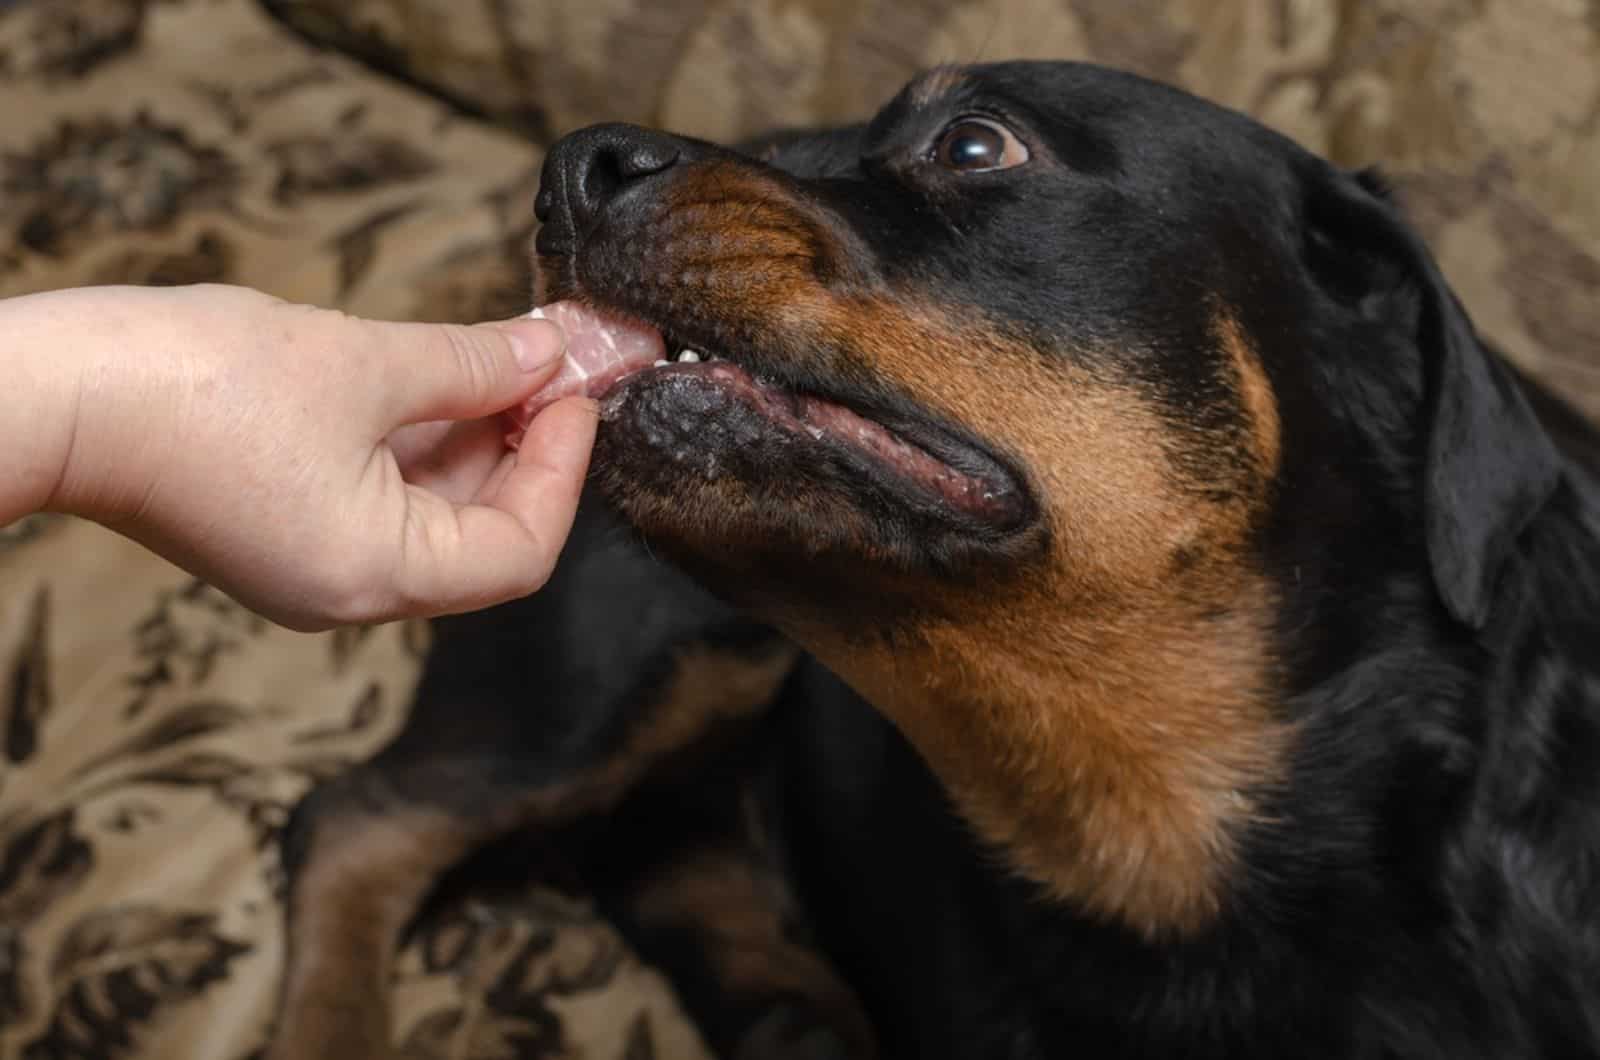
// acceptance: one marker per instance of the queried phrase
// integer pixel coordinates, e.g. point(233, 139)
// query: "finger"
point(474, 556)
point(453, 460)
point(414, 444)
point(491, 486)
point(457, 371)
point(550, 465)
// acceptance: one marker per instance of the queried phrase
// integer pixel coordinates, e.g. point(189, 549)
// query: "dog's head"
point(1033, 406)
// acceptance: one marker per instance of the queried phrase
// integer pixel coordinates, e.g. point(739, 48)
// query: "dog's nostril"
point(603, 178)
point(587, 170)
point(614, 166)
point(604, 161)
point(646, 159)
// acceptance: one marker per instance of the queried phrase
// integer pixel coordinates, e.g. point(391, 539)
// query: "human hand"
point(322, 469)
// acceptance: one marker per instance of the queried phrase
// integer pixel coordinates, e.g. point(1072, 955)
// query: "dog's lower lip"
point(989, 494)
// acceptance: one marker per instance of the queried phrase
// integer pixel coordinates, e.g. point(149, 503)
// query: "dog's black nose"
point(585, 171)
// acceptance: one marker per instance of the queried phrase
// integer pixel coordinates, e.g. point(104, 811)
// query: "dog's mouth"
point(611, 356)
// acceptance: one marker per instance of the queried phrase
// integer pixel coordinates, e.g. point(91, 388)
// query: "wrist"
point(36, 420)
point(84, 358)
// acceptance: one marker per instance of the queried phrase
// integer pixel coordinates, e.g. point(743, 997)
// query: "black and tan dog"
point(1155, 625)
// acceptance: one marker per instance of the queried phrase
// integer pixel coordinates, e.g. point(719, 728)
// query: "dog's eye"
point(977, 145)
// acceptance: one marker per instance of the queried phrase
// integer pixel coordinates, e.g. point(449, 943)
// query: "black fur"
point(1426, 881)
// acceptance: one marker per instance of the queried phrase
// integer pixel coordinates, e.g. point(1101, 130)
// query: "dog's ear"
point(1488, 465)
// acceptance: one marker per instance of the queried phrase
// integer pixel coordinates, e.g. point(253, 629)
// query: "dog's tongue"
point(601, 352)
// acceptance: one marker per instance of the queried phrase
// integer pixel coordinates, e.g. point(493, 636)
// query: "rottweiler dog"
point(1089, 592)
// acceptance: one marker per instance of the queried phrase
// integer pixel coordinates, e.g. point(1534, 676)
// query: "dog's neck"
point(1112, 760)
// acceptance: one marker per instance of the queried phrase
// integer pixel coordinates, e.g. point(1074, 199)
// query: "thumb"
point(458, 372)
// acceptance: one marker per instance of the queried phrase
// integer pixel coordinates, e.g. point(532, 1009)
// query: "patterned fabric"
point(153, 734)
point(177, 141)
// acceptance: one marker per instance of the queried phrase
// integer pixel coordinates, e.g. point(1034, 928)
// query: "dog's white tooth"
point(661, 362)
point(689, 357)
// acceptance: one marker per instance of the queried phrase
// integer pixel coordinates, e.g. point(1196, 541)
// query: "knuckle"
point(474, 360)
point(532, 577)
point(537, 582)
point(326, 340)
point(352, 594)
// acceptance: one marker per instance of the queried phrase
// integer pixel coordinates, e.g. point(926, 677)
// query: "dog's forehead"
point(1149, 116)
point(1094, 119)
point(931, 86)
point(1043, 86)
